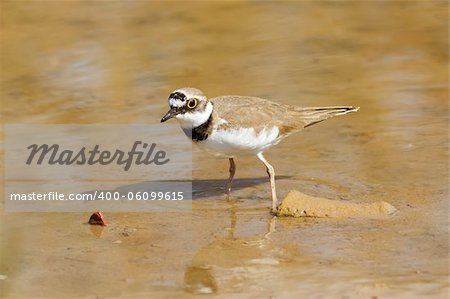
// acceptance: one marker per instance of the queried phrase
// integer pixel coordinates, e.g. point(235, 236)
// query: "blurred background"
point(116, 62)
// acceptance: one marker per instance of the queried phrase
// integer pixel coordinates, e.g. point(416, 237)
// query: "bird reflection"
point(232, 253)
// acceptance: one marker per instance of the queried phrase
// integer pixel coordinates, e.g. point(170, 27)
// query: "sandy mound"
point(297, 204)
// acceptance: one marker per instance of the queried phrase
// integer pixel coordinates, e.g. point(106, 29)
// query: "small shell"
point(97, 219)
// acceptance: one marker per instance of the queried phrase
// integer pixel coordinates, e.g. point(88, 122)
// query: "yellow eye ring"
point(191, 104)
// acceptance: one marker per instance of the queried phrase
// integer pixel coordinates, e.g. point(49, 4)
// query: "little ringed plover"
point(231, 126)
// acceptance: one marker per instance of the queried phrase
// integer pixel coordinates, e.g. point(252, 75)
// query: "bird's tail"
point(313, 115)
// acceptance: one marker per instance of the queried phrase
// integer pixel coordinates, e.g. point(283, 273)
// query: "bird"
point(232, 126)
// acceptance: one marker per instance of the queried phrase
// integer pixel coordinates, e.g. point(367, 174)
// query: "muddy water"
point(115, 62)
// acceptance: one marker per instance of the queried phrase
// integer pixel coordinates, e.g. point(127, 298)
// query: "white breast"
point(236, 142)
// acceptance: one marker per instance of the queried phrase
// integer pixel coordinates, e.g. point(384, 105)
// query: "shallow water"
point(116, 62)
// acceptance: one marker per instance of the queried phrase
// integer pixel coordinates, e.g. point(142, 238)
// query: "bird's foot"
point(228, 192)
point(274, 211)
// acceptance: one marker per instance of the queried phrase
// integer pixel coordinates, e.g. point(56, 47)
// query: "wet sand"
point(298, 204)
point(113, 62)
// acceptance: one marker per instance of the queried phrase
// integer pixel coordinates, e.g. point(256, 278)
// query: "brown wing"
point(246, 112)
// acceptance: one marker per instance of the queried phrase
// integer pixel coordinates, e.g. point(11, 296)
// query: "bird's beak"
point(171, 113)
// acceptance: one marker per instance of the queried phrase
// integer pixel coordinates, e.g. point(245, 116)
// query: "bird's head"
point(189, 106)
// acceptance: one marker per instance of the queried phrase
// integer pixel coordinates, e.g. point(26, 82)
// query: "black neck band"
point(200, 133)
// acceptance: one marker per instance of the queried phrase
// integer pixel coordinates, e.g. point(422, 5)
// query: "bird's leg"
point(230, 178)
point(271, 173)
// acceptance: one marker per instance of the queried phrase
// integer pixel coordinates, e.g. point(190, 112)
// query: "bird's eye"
point(192, 103)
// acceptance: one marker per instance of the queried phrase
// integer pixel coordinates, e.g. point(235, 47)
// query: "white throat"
point(194, 119)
